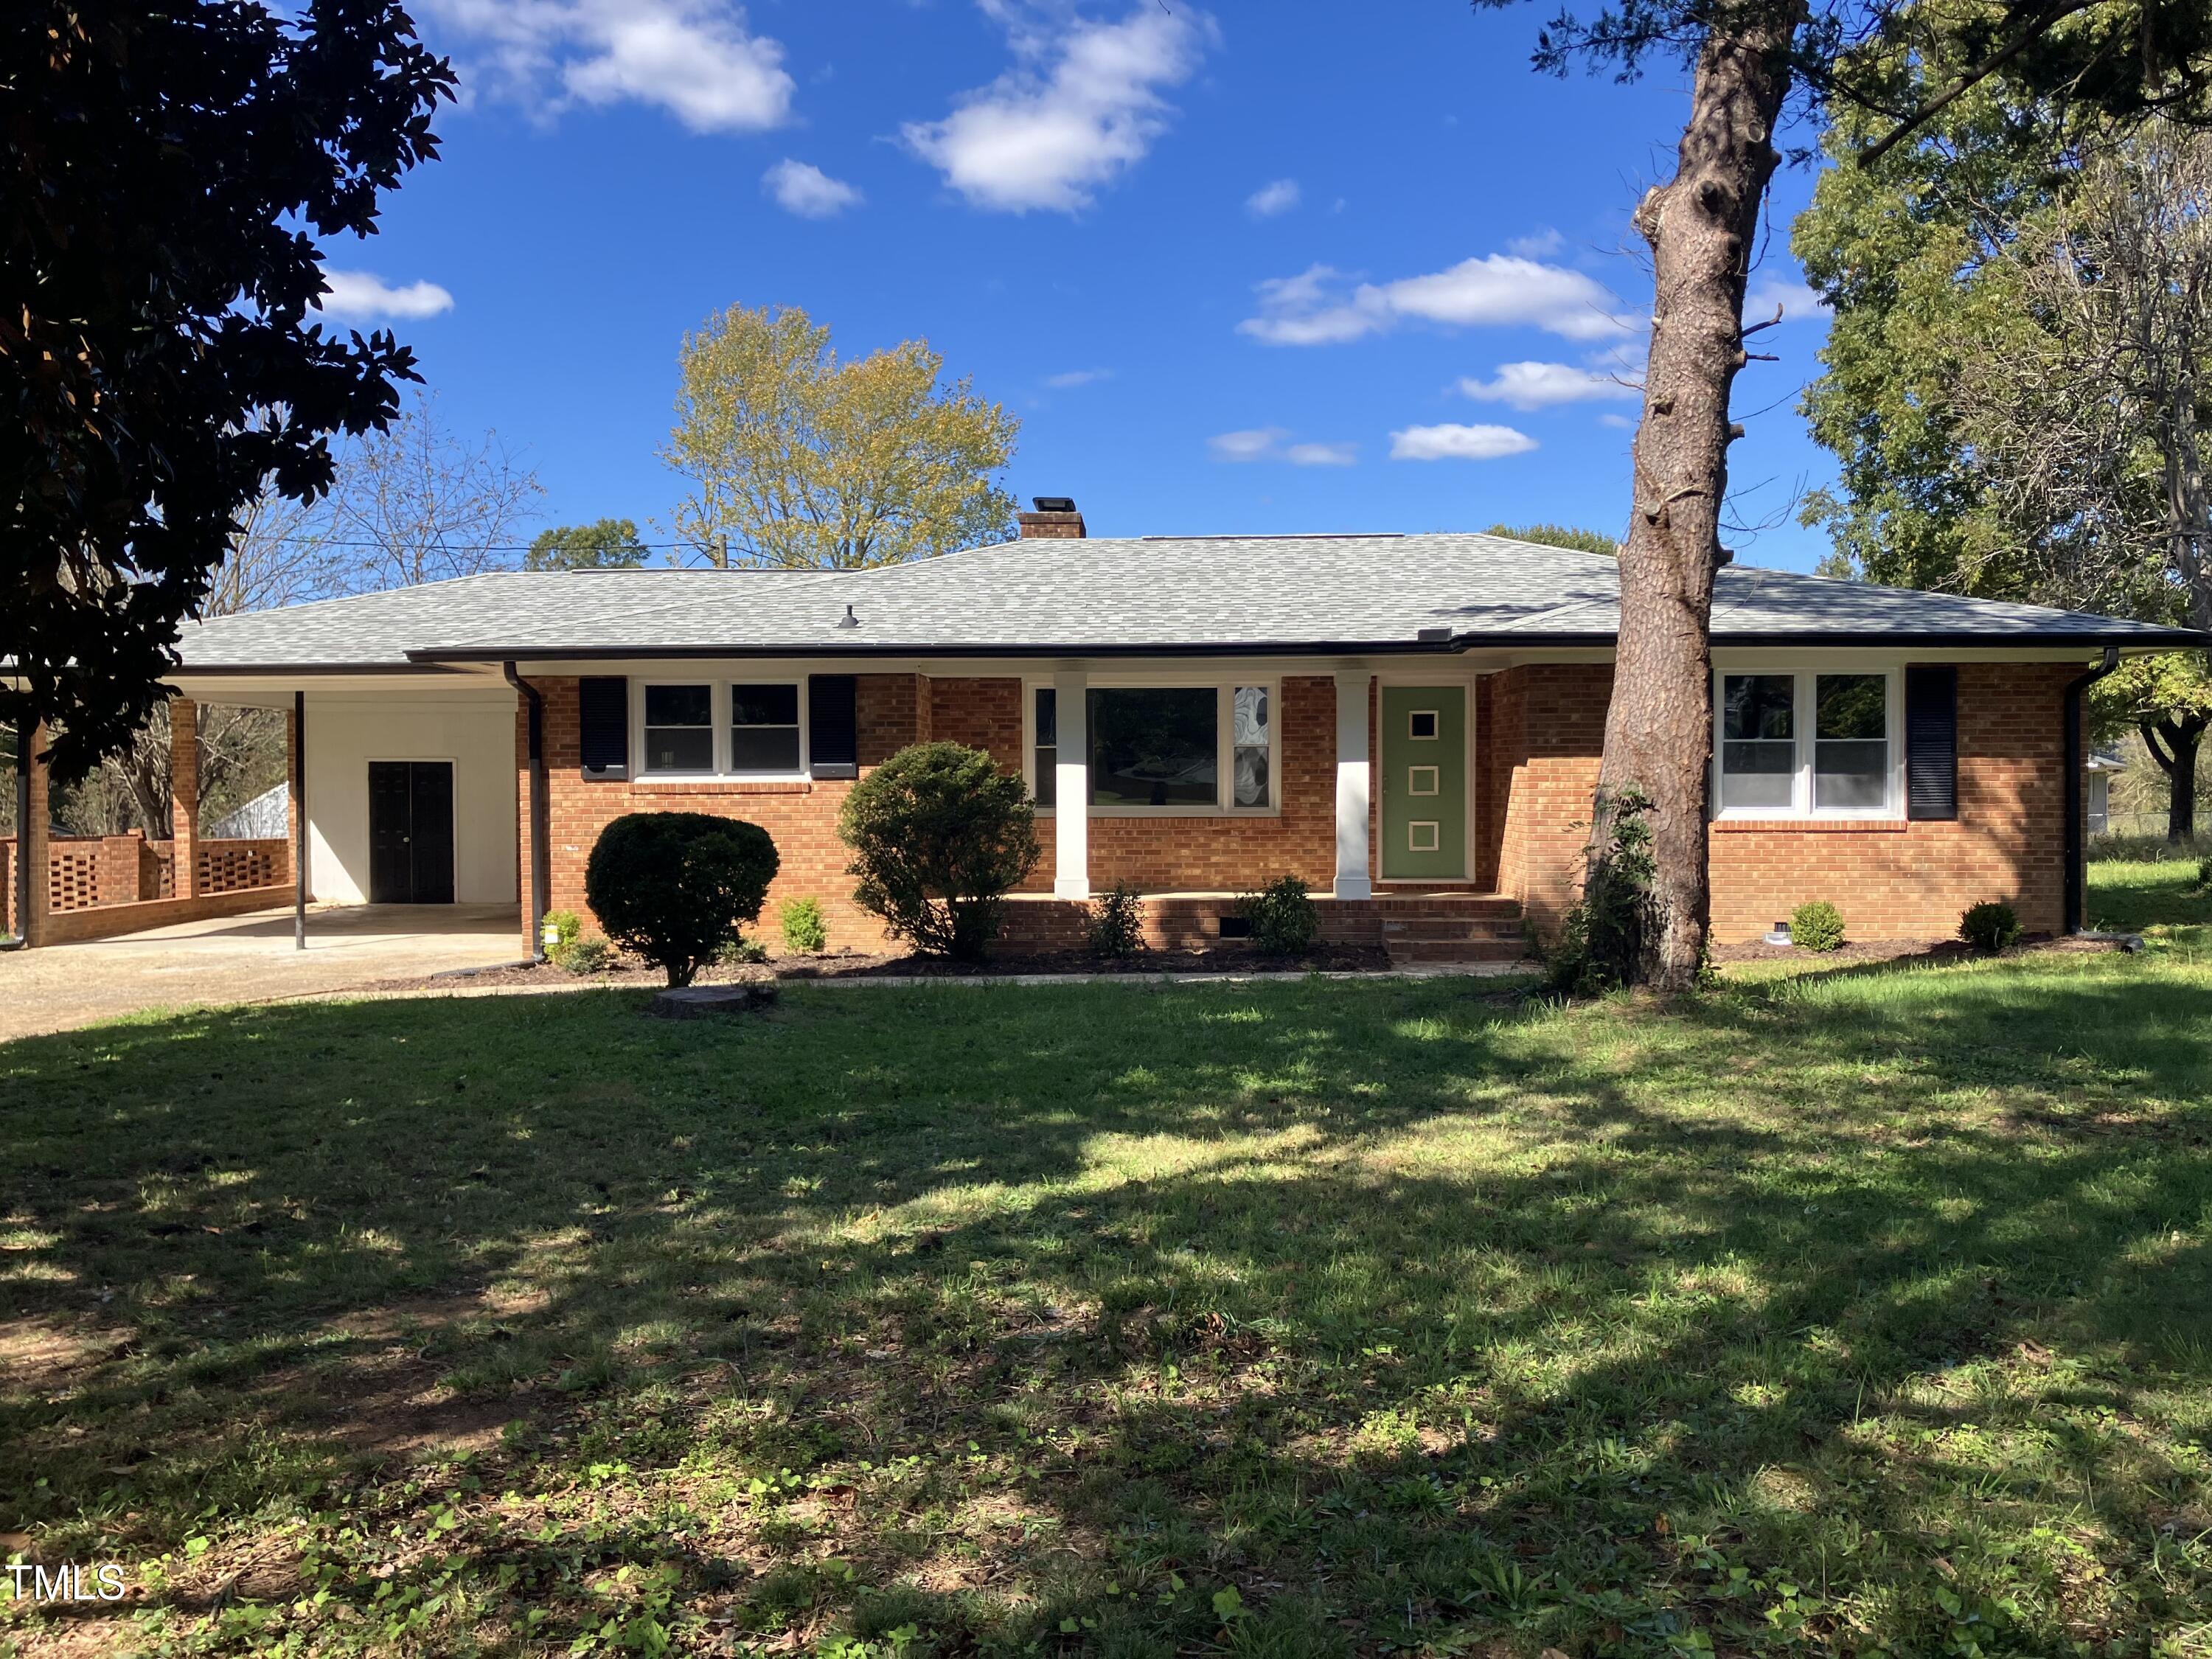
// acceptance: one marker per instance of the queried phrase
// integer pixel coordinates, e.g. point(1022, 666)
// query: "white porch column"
point(1352, 787)
point(1071, 783)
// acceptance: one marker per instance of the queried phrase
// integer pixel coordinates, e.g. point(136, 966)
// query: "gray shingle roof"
point(1104, 596)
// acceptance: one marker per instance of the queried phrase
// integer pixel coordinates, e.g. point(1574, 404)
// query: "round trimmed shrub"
point(1817, 926)
point(674, 888)
point(1989, 925)
point(804, 932)
point(939, 836)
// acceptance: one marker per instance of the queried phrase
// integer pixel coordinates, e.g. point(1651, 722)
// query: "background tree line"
point(2019, 380)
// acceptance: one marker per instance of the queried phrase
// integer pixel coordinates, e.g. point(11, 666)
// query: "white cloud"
point(1076, 377)
point(1536, 245)
point(695, 59)
point(1547, 385)
point(1269, 200)
point(1265, 443)
point(1799, 302)
point(804, 189)
point(1458, 443)
point(1253, 444)
point(1318, 307)
point(1082, 106)
point(362, 295)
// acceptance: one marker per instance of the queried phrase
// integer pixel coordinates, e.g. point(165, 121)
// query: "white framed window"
point(721, 729)
point(1807, 742)
point(1192, 748)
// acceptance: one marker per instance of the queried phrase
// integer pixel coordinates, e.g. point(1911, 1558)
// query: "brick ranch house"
point(1410, 723)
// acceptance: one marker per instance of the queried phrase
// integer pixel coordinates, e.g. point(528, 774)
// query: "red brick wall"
point(1911, 880)
point(1541, 739)
point(801, 816)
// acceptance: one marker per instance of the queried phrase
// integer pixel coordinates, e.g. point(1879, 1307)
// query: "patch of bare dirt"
point(46, 1354)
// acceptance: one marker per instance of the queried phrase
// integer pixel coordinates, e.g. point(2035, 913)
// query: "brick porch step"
point(1450, 926)
point(1432, 928)
point(1470, 949)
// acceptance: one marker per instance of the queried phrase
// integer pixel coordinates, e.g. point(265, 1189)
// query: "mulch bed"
point(857, 964)
point(1897, 949)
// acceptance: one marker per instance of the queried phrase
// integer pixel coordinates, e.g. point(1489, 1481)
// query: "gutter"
point(539, 854)
point(2077, 850)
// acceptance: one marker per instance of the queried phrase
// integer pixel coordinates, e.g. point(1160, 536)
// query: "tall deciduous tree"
point(2019, 379)
point(416, 503)
point(168, 169)
point(1748, 58)
point(797, 460)
point(602, 544)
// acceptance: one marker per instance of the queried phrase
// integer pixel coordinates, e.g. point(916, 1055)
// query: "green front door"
point(1423, 782)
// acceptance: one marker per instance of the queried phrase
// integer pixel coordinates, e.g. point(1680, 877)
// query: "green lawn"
point(2162, 900)
point(1860, 1312)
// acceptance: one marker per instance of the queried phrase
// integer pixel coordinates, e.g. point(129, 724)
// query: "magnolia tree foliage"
point(801, 460)
point(1751, 62)
point(170, 170)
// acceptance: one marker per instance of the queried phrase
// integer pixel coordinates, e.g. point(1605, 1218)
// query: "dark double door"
point(410, 832)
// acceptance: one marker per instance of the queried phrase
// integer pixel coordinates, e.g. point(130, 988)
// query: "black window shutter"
point(603, 725)
point(1931, 742)
point(833, 726)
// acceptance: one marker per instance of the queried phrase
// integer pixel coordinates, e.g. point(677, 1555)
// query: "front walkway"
point(247, 959)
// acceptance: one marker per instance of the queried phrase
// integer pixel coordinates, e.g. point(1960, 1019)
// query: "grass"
point(2160, 898)
point(1861, 1312)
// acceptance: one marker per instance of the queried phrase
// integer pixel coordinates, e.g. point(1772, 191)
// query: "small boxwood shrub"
point(1817, 926)
point(804, 932)
point(1117, 921)
point(674, 888)
point(588, 955)
point(939, 836)
point(1989, 925)
point(740, 952)
point(566, 928)
point(1285, 922)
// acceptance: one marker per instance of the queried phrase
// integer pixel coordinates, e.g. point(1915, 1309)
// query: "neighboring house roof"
point(1104, 596)
point(265, 818)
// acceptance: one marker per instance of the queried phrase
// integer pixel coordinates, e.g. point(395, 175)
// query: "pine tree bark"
point(1701, 226)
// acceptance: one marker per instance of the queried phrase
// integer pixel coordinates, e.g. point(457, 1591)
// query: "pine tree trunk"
point(1658, 731)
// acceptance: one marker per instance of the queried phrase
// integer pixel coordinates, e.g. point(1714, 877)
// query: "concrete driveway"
point(247, 959)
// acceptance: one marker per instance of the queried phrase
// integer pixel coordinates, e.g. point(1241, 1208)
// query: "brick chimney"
point(1054, 520)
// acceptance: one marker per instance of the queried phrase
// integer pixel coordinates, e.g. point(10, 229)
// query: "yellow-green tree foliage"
point(799, 460)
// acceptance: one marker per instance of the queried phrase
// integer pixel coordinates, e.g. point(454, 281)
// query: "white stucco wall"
point(473, 730)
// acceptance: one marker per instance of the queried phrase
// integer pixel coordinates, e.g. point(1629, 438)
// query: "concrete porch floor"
point(247, 959)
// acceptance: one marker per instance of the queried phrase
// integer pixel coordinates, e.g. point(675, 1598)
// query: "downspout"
point(539, 855)
point(24, 728)
point(2076, 855)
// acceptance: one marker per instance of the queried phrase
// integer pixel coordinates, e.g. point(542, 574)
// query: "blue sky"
point(1305, 266)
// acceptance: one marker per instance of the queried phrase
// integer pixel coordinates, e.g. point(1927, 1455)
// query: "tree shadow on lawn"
point(1363, 1299)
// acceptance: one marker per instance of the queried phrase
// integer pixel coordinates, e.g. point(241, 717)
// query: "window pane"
point(679, 749)
point(1853, 706)
point(679, 705)
point(1154, 748)
point(1758, 776)
point(765, 705)
point(1046, 762)
point(1851, 775)
point(1757, 706)
point(764, 749)
point(1248, 733)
